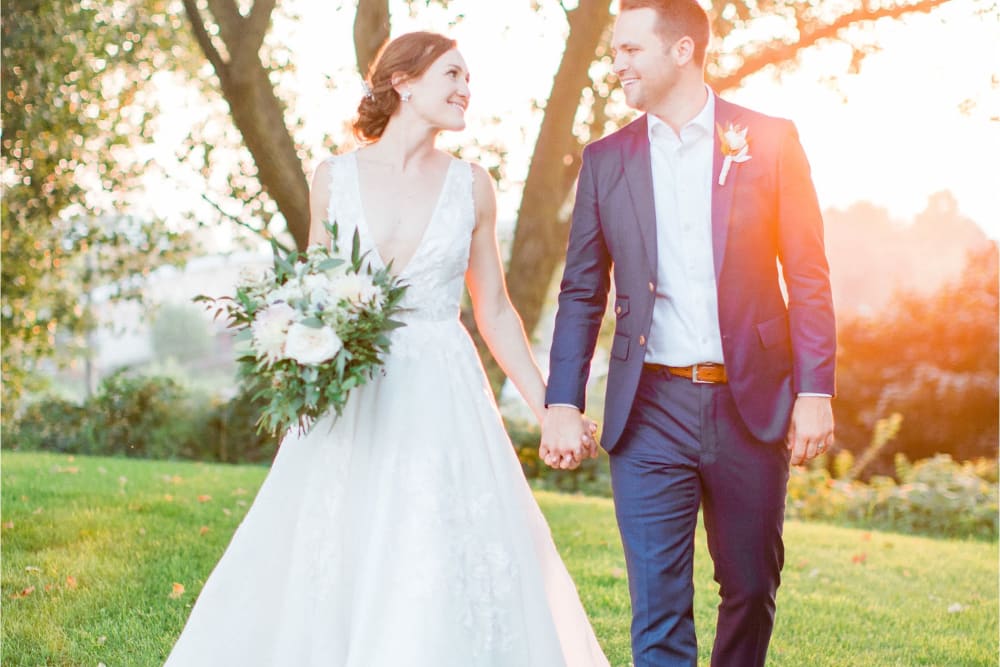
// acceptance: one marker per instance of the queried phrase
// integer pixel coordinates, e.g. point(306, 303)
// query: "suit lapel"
point(722, 195)
point(639, 177)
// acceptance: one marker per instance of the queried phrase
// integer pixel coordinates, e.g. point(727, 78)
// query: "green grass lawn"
point(92, 548)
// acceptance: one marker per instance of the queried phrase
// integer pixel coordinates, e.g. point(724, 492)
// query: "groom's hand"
point(564, 437)
point(811, 431)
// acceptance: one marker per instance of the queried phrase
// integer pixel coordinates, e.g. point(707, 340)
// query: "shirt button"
point(652, 287)
point(642, 340)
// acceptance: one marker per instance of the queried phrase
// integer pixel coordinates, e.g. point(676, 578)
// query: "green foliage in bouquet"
point(317, 326)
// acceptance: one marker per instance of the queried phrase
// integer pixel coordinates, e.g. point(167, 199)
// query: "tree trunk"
point(371, 31)
point(257, 112)
point(540, 236)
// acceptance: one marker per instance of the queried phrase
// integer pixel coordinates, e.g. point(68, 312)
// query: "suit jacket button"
point(618, 310)
point(652, 287)
point(642, 340)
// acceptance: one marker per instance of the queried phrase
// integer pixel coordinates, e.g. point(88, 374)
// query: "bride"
point(404, 532)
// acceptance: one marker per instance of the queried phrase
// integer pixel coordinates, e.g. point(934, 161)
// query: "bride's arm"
point(498, 322)
point(319, 201)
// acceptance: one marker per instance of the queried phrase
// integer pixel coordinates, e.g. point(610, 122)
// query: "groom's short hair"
point(676, 19)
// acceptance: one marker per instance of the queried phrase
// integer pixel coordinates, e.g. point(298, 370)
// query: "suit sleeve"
point(583, 296)
point(806, 272)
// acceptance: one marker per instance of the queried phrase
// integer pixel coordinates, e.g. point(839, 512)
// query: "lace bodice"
point(435, 274)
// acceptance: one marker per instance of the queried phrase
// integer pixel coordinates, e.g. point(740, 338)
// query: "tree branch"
point(203, 39)
point(787, 52)
point(263, 233)
point(256, 23)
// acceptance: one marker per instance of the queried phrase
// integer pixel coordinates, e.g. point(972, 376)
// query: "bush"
point(146, 417)
point(52, 424)
point(231, 433)
point(935, 496)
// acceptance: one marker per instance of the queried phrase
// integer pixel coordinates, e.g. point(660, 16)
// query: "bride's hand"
point(590, 446)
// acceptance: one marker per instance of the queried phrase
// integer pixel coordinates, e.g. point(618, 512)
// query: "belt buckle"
point(694, 376)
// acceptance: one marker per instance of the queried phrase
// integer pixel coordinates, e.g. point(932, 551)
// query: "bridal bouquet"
point(317, 326)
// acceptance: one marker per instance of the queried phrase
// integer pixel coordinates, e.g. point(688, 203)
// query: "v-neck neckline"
point(363, 218)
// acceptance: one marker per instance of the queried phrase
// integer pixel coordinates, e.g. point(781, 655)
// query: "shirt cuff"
point(563, 405)
point(809, 393)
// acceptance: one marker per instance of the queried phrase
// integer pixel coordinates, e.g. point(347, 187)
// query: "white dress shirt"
point(685, 327)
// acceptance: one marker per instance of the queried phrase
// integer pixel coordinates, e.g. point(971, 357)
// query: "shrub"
point(52, 424)
point(935, 496)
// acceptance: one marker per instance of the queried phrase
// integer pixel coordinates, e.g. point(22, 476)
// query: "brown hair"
point(676, 19)
point(410, 55)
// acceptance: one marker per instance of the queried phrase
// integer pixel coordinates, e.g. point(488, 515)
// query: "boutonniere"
point(735, 148)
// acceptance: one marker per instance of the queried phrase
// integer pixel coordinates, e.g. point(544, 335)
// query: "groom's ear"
point(683, 50)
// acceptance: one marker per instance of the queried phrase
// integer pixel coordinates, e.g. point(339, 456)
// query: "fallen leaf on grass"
point(102, 639)
point(203, 530)
point(71, 581)
point(859, 558)
point(169, 498)
point(8, 525)
point(177, 591)
point(49, 587)
point(955, 607)
point(240, 492)
point(866, 537)
point(204, 498)
point(226, 511)
point(23, 593)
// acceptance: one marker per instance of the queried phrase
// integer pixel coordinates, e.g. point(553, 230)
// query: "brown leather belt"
point(699, 373)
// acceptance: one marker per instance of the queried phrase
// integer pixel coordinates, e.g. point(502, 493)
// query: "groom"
point(715, 383)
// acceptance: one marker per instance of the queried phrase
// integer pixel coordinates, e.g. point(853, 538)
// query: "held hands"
point(811, 431)
point(568, 437)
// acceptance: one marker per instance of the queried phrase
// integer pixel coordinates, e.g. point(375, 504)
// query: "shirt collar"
point(705, 118)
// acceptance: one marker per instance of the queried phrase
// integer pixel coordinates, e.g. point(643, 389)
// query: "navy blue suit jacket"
point(765, 213)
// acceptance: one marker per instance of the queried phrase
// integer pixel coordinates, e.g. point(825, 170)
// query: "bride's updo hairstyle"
point(408, 55)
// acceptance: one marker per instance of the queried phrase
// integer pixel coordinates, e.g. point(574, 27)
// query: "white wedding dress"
point(403, 534)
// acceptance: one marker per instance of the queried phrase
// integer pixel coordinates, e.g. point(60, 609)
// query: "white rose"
point(310, 346)
point(269, 327)
point(736, 139)
point(348, 286)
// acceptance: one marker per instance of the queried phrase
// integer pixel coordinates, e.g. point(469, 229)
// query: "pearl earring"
point(406, 95)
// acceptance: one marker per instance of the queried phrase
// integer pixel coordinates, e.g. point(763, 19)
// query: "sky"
point(892, 134)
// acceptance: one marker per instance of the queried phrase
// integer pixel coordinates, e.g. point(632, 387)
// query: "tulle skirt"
point(402, 533)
